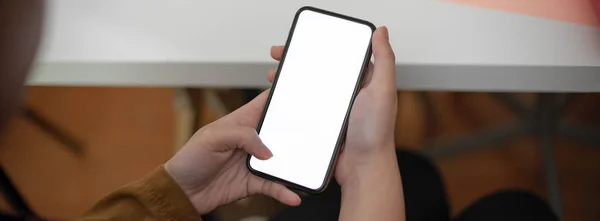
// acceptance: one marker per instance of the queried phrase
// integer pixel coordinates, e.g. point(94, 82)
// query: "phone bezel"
point(342, 132)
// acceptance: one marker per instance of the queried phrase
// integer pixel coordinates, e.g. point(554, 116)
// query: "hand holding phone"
point(304, 121)
point(211, 168)
point(366, 169)
point(321, 74)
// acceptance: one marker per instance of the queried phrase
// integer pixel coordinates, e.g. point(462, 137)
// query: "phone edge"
point(342, 133)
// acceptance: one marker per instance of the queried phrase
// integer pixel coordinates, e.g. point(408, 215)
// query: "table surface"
point(439, 45)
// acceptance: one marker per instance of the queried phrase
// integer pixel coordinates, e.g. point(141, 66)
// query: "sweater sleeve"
point(155, 197)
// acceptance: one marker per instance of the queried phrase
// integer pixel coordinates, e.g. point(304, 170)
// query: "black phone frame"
point(342, 133)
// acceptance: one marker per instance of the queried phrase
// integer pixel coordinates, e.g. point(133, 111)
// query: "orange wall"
point(575, 11)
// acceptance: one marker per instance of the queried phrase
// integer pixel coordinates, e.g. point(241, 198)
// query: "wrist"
point(371, 168)
point(373, 189)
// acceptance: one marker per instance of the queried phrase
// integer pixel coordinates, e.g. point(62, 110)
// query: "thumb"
point(384, 72)
point(240, 137)
point(253, 108)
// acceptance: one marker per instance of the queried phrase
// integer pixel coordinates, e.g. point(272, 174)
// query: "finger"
point(277, 52)
point(384, 72)
point(280, 193)
point(249, 141)
point(239, 137)
point(368, 75)
point(271, 75)
point(247, 115)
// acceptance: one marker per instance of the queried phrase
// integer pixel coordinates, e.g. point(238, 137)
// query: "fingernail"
point(385, 32)
point(268, 154)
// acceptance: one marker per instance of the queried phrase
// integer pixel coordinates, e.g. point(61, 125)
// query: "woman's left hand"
point(211, 167)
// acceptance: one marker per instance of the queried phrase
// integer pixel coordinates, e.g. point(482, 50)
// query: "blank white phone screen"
point(311, 98)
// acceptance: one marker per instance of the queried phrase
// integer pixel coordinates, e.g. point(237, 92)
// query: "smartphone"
point(305, 117)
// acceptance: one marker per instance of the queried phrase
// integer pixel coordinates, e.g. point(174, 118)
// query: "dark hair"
point(20, 31)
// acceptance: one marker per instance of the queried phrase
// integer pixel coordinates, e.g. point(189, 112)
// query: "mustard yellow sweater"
point(155, 197)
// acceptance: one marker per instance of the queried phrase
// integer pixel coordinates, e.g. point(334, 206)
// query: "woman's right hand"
point(367, 168)
point(370, 135)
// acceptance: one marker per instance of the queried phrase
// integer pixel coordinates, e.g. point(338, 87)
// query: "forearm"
point(375, 192)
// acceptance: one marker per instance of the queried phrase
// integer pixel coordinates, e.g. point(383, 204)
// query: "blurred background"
point(119, 86)
point(126, 132)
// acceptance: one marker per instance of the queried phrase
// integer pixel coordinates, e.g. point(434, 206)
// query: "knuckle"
point(392, 55)
point(247, 132)
point(206, 132)
point(247, 136)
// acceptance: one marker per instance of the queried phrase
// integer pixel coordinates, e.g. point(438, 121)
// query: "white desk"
point(439, 45)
